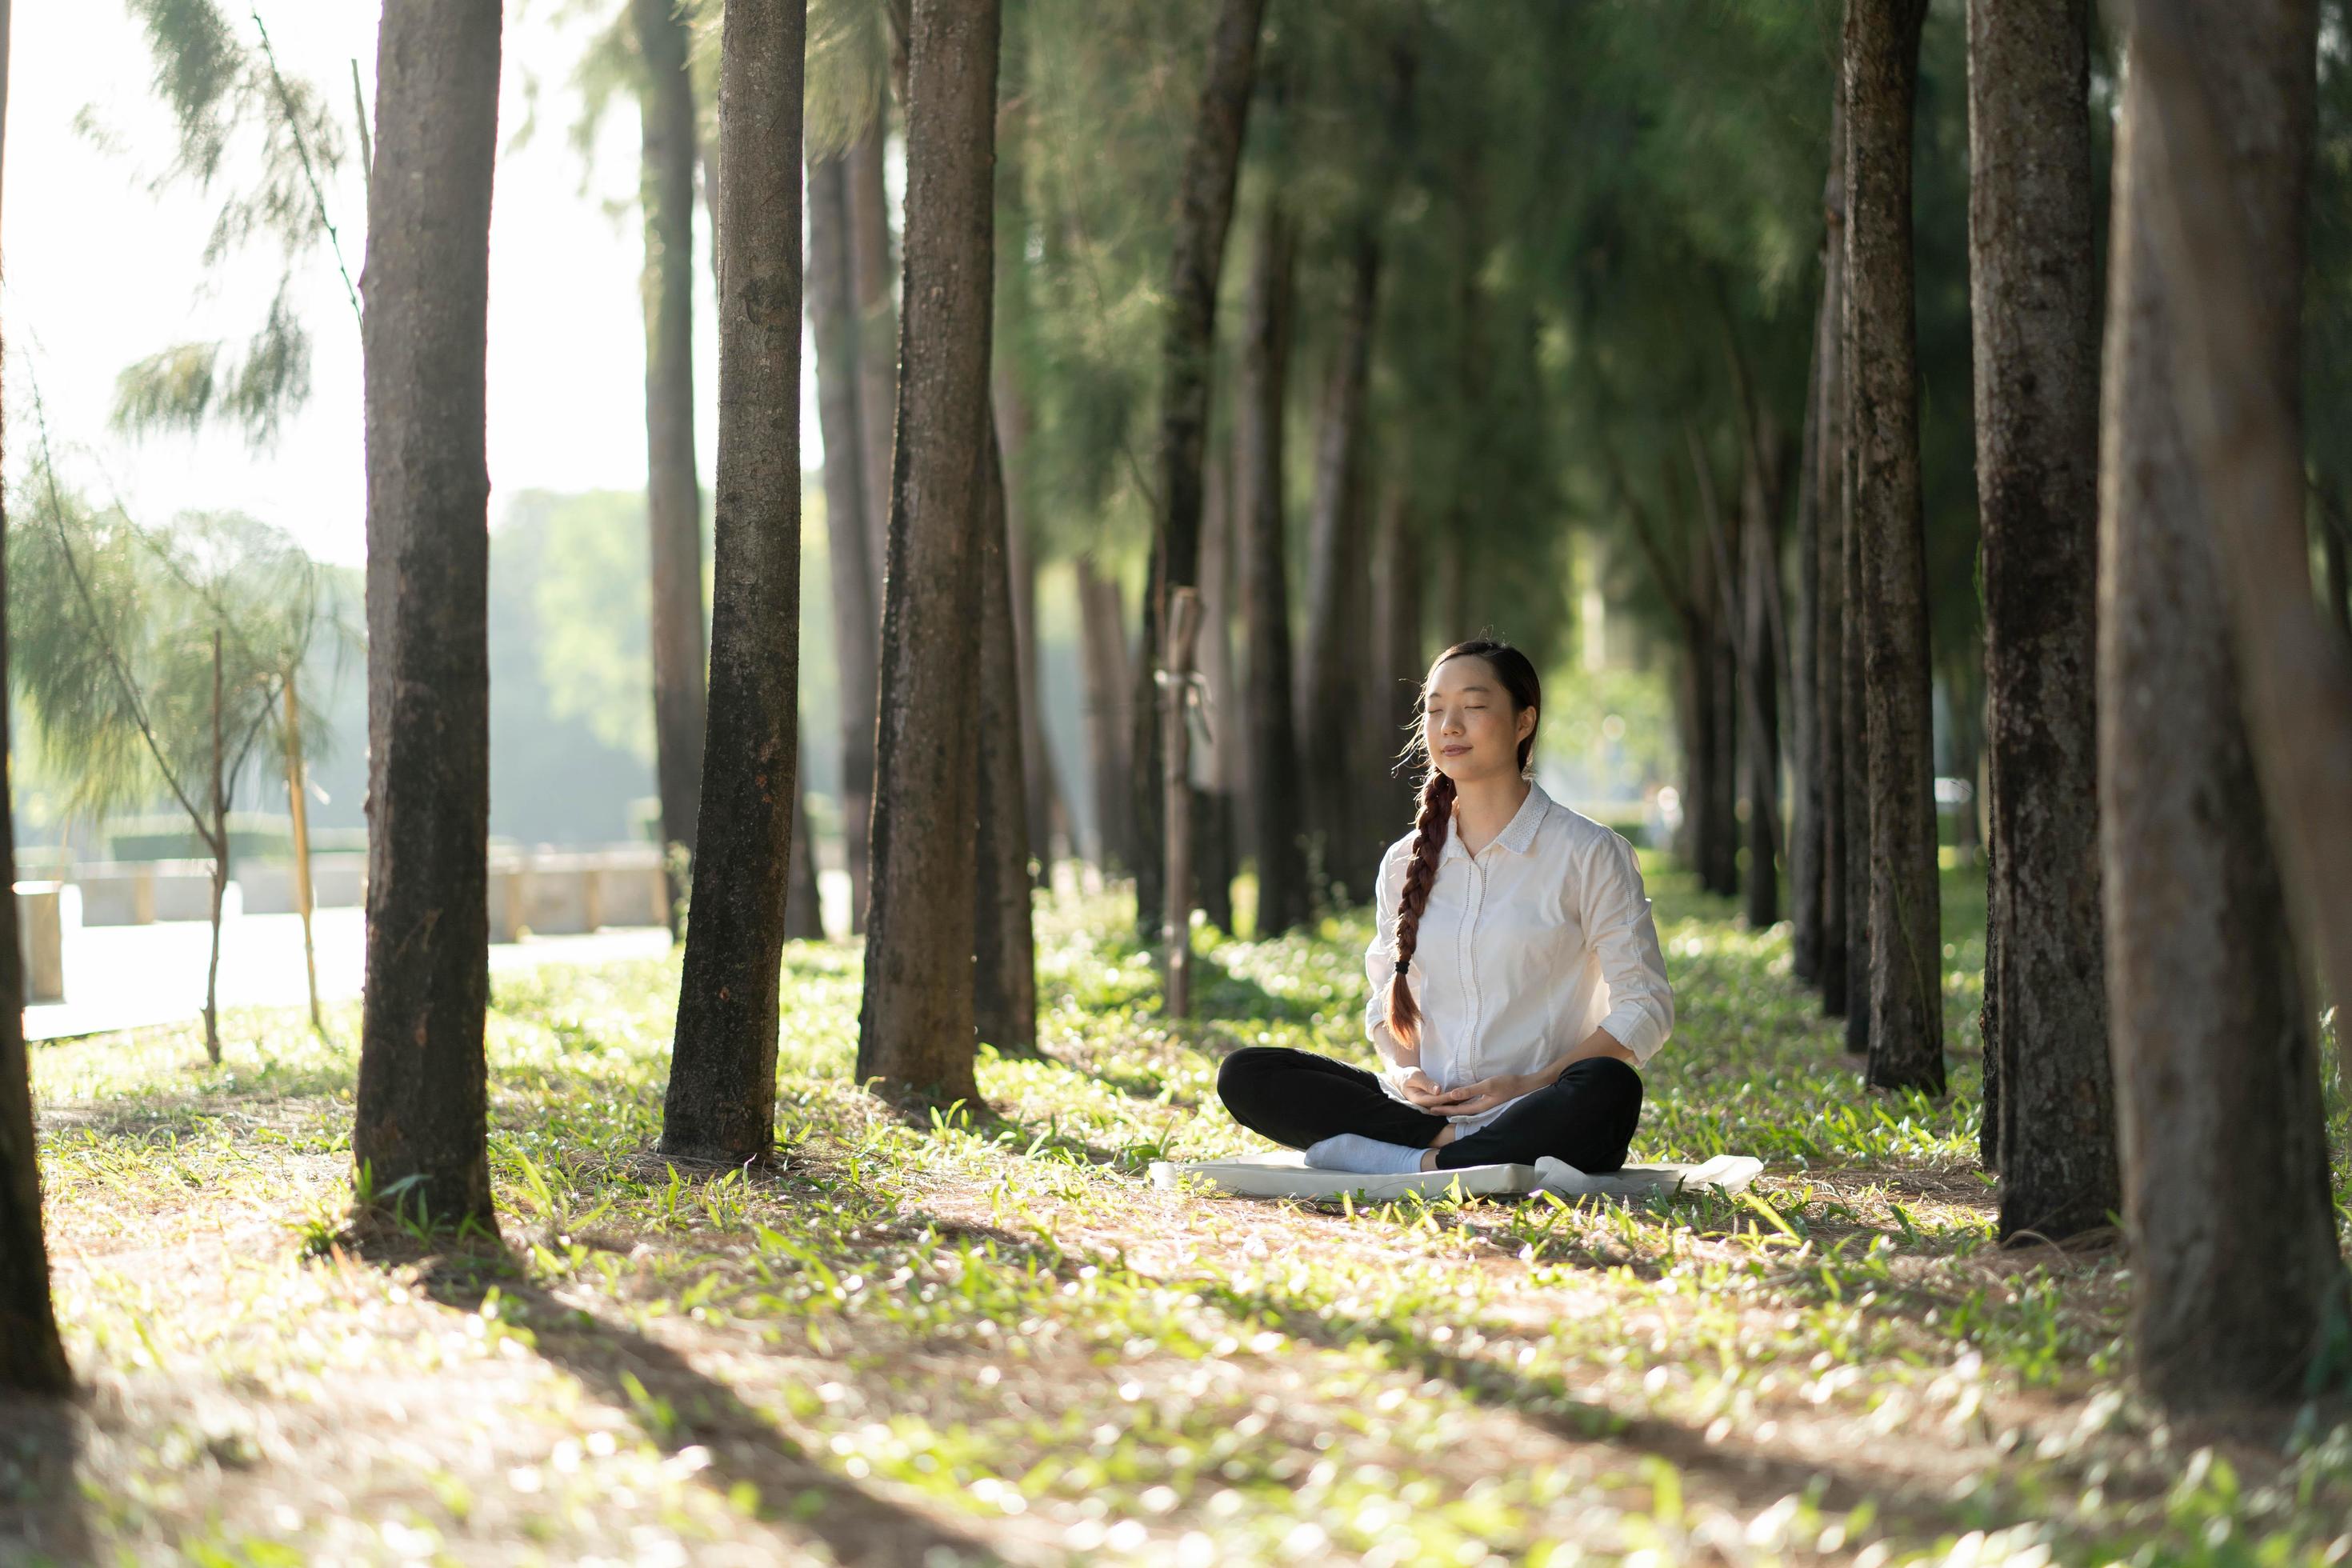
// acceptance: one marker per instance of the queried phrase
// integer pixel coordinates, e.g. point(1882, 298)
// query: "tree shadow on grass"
point(42, 1515)
point(1753, 1476)
point(677, 1407)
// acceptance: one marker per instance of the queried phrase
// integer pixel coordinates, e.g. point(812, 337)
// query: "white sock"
point(1354, 1152)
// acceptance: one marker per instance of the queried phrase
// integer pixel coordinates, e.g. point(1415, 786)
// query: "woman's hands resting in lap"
point(1469, 1098)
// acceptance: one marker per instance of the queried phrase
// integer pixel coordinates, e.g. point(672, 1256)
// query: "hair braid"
point(1428, 842)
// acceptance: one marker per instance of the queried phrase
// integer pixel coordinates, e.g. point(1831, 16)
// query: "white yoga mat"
point(1287, 1176)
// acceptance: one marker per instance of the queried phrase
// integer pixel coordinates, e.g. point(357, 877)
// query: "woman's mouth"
point(1453, 751)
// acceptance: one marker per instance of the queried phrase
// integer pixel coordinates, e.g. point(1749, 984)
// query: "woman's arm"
point(1380, 964)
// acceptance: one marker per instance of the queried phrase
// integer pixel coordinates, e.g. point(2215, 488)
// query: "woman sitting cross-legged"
point(1516, 977)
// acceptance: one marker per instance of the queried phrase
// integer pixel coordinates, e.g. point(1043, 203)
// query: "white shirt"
point(1525, 949)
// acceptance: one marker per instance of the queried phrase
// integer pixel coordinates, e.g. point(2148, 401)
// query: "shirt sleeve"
point(1617, 923)
point(1380, 957)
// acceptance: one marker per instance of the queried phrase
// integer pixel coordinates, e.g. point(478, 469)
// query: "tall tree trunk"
point(1804, 694)
point(219, 846)
point(803, 898)
point(1258, 416)
point(833, 320)
point(32, 1359)
point(1040, 785)
point(1217, 761)
point(1102, 623)
point(1827, 567)
point(673, 491)
point(915, 1026)
point(1759, 571)
point(1393, 675)
point(422, 1099)
point(1004, 953)
point(721, 1100)
point(1856, 736)
point(1906, 1023)
point(1335, 567)
point(2240, 405)
point(1852, 593)
point(2222, 1142)
point(1204, 211)
point(874, 264)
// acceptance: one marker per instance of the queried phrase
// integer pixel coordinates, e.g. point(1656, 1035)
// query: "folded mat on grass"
point(1287, 1176)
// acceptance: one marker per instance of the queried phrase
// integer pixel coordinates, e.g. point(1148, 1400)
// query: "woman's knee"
point(1242, 1078)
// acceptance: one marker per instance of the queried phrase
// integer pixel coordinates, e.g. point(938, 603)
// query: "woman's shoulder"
point(1581, 835)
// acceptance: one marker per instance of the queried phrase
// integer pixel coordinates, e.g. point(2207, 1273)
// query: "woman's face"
point(1469, 723)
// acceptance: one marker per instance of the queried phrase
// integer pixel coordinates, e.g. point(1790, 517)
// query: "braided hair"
point(1517, 675)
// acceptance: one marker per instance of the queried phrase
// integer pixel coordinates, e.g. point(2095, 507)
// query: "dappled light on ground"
point(989, 1338)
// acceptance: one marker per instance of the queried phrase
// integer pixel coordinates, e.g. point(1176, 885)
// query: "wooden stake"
point(294, 783)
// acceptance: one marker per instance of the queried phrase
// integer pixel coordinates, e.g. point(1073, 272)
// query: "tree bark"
point(720, 1103)
point(915, 1026)
point(1205, 210)
point(1103, 632)
point(2222, 1139)
point(2049, 1118)
point(422, 1097)
point(1906, 1024)
point(2032, 283)
point(1759, 570)
point(1283, 897)
point(874, 262)
point(1215, 769)
point(673, 491)
point(2240, 405)
point(1005, 955)
point(1335, 570)
point(1827, 567)
point(834, 325)
point(803, 898)
point(32, 1358)
point(1804, 692)
point(1393, 684)
point(1043, 791)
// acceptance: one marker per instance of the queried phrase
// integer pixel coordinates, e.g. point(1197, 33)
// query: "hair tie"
point(1401, 966)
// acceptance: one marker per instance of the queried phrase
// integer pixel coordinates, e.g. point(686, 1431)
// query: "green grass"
point(986, 1336)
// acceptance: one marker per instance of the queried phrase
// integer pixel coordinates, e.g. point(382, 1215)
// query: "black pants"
point(1585, 1118)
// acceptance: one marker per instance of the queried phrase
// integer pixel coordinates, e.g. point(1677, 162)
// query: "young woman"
point(1516, 977)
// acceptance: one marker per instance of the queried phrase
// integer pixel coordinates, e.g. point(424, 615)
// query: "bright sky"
point(101, 272)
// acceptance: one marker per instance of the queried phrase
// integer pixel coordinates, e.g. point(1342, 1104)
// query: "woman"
point(1516, 977)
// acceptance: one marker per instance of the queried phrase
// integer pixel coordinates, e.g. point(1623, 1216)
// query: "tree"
point(834, 323)
point(422, 1099)
point(155, 664)
point(32, 1361)
point(1283, 898)
point(915, 1023)
point(1831, 621)
point(2239, 408)
point(720, 1107)
point(2233, 1236)
point(1204, 211)
point(1004, 951)
point(673, 491)
point(1906, 1033)
point(2032, 276)
point(233, 107)
point(874, 266)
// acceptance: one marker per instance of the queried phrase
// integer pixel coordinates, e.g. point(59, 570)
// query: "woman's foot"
point(1358, 1155)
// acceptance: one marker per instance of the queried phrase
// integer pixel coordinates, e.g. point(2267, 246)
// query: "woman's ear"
point(1527, 723)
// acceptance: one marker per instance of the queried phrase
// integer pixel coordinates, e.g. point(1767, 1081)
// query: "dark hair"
point(1517, 675)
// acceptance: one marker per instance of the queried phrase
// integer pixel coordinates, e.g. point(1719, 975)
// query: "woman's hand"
point(1417, 1089)
point(1469, 1098)
point(1483, 1095)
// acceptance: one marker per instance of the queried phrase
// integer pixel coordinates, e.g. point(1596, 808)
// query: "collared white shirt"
point(1525, 949)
